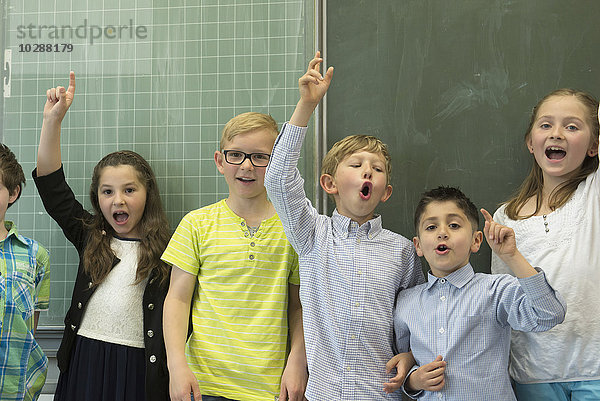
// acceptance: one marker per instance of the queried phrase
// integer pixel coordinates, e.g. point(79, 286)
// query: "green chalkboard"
point(449, 86)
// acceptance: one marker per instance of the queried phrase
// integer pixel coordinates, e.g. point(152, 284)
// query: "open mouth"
point(442, 249)
point(365, 191)
point(120, 217)
point(245, 180)
point(555, 153)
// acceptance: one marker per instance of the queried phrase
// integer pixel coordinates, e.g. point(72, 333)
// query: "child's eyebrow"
point(456, 216)
point(552, 118)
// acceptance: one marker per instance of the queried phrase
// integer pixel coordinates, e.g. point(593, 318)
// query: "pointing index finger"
point(71, 82)
point(487, 216)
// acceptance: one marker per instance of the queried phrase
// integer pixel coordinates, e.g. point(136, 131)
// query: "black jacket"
point(61, 205)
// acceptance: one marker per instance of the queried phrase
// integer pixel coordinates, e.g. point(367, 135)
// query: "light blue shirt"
point(349, 279)
point(466, 318)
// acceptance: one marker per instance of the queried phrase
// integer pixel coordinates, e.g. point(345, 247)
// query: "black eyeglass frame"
point(246, 156)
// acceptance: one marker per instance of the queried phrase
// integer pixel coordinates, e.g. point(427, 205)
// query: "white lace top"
point(565, 245)
point(114, 312)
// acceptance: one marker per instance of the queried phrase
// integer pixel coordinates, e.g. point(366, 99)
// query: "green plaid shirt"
point(24, 289)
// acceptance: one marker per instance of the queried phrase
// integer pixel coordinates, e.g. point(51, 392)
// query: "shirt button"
point(152, 358)
point(246, 234)
point(151, 306)
point(358, 241)
point(150, 333)
point(443, 280)
point(73, 327)
point(90, 284)
point(348, 368)
point(252, 244)
point(357, 304)
point(243, 224)
point(79, 305)
point(353, 337)
point(443, 297)
point(441, 330)
point(359, 272)
point(251, 257)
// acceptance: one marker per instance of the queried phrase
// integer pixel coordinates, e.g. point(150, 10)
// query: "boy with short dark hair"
point(350, 267)
point(234, 266)
point(458, 323)
point(24, 292)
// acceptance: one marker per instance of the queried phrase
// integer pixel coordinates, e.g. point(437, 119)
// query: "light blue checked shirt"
point(349, 279)
point(466, 318)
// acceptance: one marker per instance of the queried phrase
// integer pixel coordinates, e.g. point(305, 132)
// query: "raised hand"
point(312, 84)
point(500, 238)
point(313, 87)
point(58, 101)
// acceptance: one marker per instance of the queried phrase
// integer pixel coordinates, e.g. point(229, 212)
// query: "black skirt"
point(102, 371)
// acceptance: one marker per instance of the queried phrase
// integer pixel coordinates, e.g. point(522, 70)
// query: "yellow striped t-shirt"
point(239, 310)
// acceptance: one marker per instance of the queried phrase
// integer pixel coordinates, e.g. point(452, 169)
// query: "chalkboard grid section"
point(158, 79)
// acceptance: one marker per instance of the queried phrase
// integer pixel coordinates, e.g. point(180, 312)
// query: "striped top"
point(24, 289)
point(350, 277)
point(239, 310)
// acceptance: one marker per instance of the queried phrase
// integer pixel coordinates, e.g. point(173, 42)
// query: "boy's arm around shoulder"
point(529, 304)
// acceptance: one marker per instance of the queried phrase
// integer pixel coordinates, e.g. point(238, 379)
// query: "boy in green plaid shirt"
point(24, 291)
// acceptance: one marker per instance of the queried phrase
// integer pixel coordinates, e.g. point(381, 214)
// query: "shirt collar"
point(459, 278)
point(12, 230)
point(344, 226)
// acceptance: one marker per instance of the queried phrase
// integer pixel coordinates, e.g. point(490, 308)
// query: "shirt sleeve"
point(42, 280)
point(294, 271)
point(183, 248)
point(285, 188)
point(528, 304)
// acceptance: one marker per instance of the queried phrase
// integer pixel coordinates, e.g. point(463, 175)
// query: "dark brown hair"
point(450, 194)
point(11, 172)
point(533, 184)
point(153, 226)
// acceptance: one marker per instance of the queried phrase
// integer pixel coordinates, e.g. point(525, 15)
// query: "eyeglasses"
point(238, 157)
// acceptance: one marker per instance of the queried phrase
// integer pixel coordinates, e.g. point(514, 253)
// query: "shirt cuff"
point(412, 394)
point(536, 286)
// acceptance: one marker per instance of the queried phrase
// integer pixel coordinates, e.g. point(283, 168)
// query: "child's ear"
point(593, 150)
point(328, 184)
point(417, 246)
point(476, 242)
point(219, 161)
point(387, 194)
point(529, 145)
point(15, 194)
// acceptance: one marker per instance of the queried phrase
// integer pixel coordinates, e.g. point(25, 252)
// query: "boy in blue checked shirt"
point(24, 291)
point(459, 319)
point(350, 267)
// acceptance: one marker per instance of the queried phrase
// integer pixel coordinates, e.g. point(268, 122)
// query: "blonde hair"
point(352, 144)
point(247, 122)
point(534, 183)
